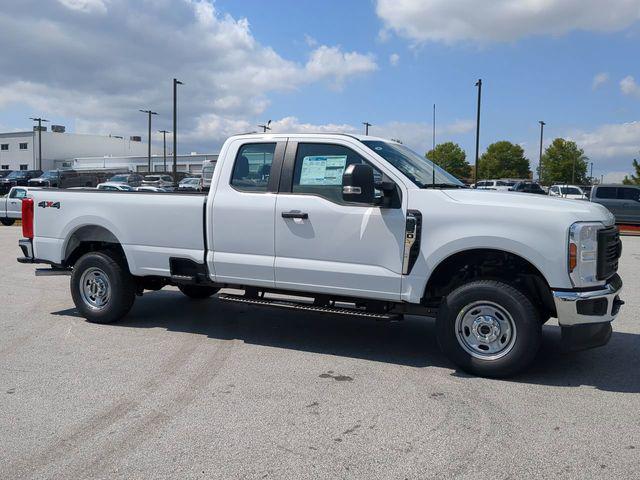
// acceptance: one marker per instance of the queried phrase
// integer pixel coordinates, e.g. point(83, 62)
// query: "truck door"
point(14, 202)
point(324, 244)
point(244, 202)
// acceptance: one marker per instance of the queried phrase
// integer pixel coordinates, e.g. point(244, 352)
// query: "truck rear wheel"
point(198, 292)
point(489, 328)
point(7, 222)
point(102, 288)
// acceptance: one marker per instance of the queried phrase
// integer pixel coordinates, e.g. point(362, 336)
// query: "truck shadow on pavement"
point(410, 342)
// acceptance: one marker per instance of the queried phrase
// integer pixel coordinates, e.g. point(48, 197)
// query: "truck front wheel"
point(489, 328)
point(102, 288)
point(198, 292)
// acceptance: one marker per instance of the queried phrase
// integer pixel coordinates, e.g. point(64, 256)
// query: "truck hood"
point(580, 210)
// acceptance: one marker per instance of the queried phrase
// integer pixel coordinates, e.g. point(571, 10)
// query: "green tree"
point(452, 158)
point(504, 160)
point(635, 179)
point(564, 162)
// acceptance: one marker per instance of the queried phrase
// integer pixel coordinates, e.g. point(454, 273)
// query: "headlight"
point(583, 253)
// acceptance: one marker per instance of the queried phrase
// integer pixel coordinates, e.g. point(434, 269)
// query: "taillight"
point(27, 217)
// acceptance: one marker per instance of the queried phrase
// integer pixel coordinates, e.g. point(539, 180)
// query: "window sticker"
point(322, 169)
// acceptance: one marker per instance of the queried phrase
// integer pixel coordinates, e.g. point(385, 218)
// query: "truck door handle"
point(295, 214)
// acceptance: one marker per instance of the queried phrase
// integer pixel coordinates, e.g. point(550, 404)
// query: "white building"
point(185, 163)
point(19, 150)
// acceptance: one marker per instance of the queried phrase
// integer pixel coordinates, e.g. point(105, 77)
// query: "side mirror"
point(357, 184)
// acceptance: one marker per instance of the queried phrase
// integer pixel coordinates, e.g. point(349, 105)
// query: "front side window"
point(253, 167)
point(319, 167)
point(606, 192)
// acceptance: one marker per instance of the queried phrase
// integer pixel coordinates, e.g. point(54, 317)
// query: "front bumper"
point(585, 316)
point(586, 307)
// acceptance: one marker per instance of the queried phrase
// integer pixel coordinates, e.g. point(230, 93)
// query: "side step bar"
point(52, 272)
point(307, 307)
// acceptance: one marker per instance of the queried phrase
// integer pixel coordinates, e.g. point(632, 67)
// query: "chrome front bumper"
point(584, 308)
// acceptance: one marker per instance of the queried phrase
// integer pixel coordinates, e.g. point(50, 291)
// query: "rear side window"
point(319, 168)
point(606, 192)
point(629, 193)
point(18, 193)
point(253, 167)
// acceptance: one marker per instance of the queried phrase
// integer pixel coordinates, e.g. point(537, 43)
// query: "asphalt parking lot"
point(184, 389)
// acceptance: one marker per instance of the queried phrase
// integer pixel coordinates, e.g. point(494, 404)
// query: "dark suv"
point(4, 173)
point(621, 200)
point(528, 187)
point(17, 178)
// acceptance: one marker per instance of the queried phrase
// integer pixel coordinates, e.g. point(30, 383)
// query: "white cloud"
point(599, 80)
point(86, 6)
point(394, 59)
point(501, 20)
point(614, 177)
point(611, 146)
point(335, 65)
point(98, 74)
point(310, 41)
point(628, 86)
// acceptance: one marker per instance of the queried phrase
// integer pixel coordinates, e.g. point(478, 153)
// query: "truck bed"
point(151, 227)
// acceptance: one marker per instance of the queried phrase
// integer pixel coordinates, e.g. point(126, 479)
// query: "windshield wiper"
point(441, 185)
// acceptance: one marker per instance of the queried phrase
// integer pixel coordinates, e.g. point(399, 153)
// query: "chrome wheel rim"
point(485, 330)
point(95, 288)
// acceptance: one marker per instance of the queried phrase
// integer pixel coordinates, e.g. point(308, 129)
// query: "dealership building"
point(19, 150)
point(191, 163)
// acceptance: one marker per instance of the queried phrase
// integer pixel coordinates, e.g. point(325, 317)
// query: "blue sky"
point(331, 65)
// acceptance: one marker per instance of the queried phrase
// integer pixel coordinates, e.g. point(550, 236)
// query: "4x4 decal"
point(44, 204)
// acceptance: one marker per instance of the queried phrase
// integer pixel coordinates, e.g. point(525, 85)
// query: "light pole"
point(479, 85)
point(591, 174)
point(149, 112)
point(39, 120)
point(265, 127)
point(433, 149)
point(164, 147)
point(176, 82)
point(542, 124)
point(366, 127)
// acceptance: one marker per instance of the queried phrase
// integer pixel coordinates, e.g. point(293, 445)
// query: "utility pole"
point(265, 127)
point(39, 120)
point(542, 124)
point(479, 85)
point(433, 149)
point(149, 112)
point(164, 147)
point(366, 127)
point(176, 82)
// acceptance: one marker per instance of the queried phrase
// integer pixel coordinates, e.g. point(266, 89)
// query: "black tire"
point(198, 292)
point(454, 337)
point(7, 222)
point(121, 286)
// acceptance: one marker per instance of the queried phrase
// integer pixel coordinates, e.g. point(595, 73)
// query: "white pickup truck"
point(11, 205)
point(355, 225)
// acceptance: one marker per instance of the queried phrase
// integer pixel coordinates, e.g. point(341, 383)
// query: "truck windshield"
point(18, 174)
point(415, 167)
point(50, 174)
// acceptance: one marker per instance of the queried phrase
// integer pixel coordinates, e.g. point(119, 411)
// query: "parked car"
point(131, 179)
point(120, 187)
point(621, 200)
point(151, 188)
point(65, 179)
point(494, 267)
point(17, 178)
point(11, 205)
point(157, 181)
point(190, 184)
point(208, 167)
point(503, 185)
point(572, 192)
point(528, 187)
point(4, 173)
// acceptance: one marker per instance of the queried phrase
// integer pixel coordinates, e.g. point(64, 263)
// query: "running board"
point(307, 307)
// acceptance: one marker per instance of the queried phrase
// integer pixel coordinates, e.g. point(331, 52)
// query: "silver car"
point(621, 200)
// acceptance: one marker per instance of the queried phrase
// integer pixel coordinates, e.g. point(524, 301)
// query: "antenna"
point(265, 127)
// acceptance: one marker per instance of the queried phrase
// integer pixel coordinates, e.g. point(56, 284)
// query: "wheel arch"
point(494, 264)
point(90, 238)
